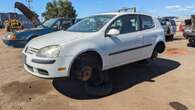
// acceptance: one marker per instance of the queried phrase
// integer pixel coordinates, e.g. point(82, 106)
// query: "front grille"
point(31, 50)
point(43, 72)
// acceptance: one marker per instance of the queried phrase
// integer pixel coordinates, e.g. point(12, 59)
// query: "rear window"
point(147, 22)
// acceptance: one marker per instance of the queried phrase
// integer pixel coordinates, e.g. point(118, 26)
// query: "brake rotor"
point(86, 73)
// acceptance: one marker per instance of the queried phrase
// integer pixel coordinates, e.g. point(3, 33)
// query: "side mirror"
point(113, 32)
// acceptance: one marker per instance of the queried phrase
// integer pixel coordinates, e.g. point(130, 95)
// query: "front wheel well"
point(94, 55)
point(160, 46)
point(89, 55)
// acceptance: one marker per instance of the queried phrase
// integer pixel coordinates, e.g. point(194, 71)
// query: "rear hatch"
point(32, 16)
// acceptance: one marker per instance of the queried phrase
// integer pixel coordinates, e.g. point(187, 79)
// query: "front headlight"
point(12, 37)
point(49, 52)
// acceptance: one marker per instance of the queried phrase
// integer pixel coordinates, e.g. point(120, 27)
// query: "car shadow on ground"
point(179, 38)
point(174, 39)
point(122, 78)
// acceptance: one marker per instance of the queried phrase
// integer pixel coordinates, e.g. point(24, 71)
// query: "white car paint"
point(114, 51)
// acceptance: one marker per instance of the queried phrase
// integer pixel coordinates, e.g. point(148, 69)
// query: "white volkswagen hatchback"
point(97, 43)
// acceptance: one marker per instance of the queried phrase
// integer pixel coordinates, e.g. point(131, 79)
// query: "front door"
point(124, 48)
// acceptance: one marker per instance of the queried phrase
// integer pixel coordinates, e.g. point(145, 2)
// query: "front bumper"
point(47, 68)
point(15, 43)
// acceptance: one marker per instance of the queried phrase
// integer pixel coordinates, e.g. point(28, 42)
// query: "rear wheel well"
point(160, 46)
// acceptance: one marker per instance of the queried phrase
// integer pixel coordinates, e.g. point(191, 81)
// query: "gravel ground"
point(167, 83)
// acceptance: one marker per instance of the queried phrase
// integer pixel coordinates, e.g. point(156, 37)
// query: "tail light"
point(181, 28)
point(12, 37)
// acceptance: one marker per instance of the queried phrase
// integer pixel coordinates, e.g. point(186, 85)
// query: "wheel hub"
point(86, 73)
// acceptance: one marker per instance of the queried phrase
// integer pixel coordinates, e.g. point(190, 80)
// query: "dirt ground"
point(167, 83)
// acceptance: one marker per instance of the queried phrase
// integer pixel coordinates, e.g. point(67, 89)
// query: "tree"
point(59, 8)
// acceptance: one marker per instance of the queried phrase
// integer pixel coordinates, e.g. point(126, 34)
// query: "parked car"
point(20, 39)
point(95, 44)
point(187, 27)
point(169, 27)
point(190, 32)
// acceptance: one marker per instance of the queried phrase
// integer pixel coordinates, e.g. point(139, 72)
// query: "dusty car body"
point(20, 39)
point(93, 45)
point(114, 39)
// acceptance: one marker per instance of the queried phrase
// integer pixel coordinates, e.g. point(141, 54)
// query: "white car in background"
point(95, 44)
point(169, 27)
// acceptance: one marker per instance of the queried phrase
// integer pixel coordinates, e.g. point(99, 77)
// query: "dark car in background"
point(20, 39)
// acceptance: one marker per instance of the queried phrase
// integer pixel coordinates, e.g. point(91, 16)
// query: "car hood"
point(34, 31)
point(57, 38)
point(31, 30)
point(22, 35)
point(32, 16)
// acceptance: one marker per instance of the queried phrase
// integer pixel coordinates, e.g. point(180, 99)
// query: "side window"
point(126, 24)
point(56, 25)
point(117, 24)
point(147, 22)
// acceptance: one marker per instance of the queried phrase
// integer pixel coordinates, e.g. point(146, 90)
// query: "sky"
point(89, 7)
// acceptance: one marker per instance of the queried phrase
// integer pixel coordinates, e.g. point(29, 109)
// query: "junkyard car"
point(20, 39)
point(187, 27)
point(95, 44)
point(169, 27)
point(190, 33)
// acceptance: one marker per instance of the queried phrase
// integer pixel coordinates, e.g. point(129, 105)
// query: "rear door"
point(149, 35)
point(124, 48)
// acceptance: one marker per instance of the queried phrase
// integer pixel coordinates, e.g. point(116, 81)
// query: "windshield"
point(48, 23)
point(91, 24)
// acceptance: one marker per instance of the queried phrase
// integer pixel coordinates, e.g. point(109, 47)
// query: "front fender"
point(77, 48)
